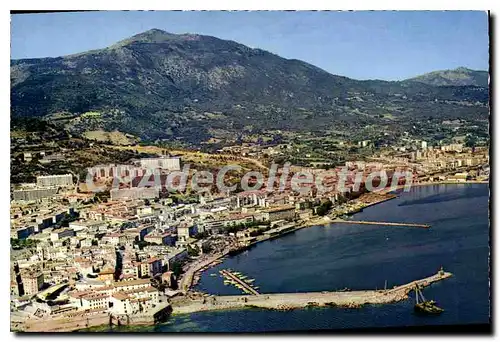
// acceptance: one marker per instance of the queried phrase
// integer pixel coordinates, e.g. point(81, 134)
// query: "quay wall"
point(63, 324)
point(84, 321)
point(288, 301)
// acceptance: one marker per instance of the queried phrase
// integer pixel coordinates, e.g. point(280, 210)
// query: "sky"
point(391, 45)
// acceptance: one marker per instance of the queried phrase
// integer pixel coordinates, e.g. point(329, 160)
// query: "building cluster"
point(437, 161)
point(137, 168)
point(123, 255)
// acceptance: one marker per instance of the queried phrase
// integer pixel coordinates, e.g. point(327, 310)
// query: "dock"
point(290, 301)
point(186, 281)
point(377, 223)
point(246, 287)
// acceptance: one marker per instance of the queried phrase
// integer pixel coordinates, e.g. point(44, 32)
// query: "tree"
point(176, 268)
point(324, 207)
point(470, 141)
point(193, 251)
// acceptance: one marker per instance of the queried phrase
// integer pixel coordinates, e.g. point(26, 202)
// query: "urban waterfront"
point(337, 256)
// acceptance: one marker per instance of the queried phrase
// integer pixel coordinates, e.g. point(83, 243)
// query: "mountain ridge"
point(146, 35)
point(161, 85)
point(460, 76)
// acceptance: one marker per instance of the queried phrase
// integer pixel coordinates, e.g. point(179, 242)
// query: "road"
point(187, 279)
point(287, 301)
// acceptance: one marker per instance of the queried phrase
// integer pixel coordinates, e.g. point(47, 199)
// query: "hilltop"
point(457, 77)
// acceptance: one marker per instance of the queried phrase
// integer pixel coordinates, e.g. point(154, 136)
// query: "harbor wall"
point(289, 301)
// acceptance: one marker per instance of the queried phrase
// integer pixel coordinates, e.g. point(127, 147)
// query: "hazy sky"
point(361, 45)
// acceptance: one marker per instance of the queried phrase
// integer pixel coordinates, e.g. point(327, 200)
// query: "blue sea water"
point(333, 257)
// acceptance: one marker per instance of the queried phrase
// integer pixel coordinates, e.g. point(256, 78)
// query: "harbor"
point(192, 275)
point(210, 306)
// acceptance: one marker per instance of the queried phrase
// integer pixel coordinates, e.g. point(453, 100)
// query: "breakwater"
point(288, 301)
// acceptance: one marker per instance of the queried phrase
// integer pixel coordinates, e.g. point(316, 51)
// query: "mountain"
point(456, 77)
point(190, 87)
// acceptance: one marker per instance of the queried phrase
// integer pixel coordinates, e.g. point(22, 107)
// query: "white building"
point(131, 285)
point(168, 163)
point(54, 180)
point(33, 194)
point(134, 193)
point(129, 302)
point(94, 301)
point(183, 232)
point(111, 171)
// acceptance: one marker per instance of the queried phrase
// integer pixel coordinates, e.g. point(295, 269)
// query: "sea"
point(357, 257)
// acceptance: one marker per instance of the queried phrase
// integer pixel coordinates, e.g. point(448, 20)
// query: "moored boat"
point(424, 306)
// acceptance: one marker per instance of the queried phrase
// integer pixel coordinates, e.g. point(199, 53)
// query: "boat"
point(213, 275)
point(424, 306)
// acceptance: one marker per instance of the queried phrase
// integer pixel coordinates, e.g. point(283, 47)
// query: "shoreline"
point(317, 221)
point(213, 261)
point(188, 304)
point(399, 187)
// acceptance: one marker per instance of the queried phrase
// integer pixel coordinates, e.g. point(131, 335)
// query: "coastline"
point(278, 302)
point(312, 221)
point(214, 260)
point(399, 187)
point(188, 304)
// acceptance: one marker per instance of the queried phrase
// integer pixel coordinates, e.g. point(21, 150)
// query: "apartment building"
point(32, 281)
point(54, 180)
point(167, 163)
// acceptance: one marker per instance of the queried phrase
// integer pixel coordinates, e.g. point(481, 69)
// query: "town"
point(208, 171)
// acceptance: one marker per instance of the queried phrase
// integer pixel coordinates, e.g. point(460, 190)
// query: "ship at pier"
point(424, 306)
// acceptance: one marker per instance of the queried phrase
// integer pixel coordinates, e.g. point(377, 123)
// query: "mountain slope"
point(162, 85)
point(456, 77)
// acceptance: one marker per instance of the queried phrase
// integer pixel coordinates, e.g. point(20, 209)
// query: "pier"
point(186, 281)
point(246, 287)
point(399, 224)
point(289, 301)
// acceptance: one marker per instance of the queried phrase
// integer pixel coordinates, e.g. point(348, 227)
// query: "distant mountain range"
point(456, 77)
point(159, 85)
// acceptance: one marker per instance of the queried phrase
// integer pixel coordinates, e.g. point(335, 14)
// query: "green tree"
point(176, 268)
point(470, 141)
